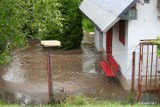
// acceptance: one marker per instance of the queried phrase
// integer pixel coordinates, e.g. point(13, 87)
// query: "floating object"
point(50, 43)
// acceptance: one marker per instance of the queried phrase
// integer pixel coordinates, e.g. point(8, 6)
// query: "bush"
point(11, 20)
point(4, 57)
point(71, 33)
point(20, 19)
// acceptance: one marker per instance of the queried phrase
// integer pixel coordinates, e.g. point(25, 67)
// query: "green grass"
point(81, 101)
point(3, 104)
point(87, 25)
point(107, 104)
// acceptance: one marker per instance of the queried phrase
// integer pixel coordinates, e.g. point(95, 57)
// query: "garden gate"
point(146, 71)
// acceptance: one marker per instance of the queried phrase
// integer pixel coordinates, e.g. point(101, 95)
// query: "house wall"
point(121, 55)
point(147, 26)
point(98, 39)
point(119, 51)
point(104, 41)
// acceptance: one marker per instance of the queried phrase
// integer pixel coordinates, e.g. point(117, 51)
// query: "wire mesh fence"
point(25, 80)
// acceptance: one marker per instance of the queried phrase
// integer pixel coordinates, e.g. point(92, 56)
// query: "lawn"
point(87, 25)
point(81, 101)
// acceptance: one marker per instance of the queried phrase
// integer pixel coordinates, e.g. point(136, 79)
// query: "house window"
point(122, 31)
point(146, 1)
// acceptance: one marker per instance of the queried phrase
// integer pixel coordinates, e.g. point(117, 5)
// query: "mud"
point(74, 72)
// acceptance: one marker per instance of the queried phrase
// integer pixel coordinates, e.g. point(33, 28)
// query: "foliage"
point(82, 101)
point(11, 20)
point(157, 42)
point(71, 34)
point(72, 24)
point(43, 17)
point(22, 18)
point(4, 57)
point(78, 100)
point(12, 17)
point(87, 25)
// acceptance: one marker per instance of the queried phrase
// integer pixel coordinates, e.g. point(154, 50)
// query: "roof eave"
point(98, 15)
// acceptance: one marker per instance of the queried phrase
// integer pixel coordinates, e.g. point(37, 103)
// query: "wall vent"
point(158, 3)
point(131, 15)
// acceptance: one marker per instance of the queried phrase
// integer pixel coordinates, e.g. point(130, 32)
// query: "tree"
point(20, 18)
point(42, 17)
point(71, 34)
point(11, 20)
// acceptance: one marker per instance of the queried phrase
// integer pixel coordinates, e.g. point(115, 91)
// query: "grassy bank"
point(80, 101)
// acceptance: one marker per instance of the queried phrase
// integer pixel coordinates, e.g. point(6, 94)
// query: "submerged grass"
point(81, 101)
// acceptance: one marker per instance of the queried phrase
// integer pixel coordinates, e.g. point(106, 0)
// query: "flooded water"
point(74, 72)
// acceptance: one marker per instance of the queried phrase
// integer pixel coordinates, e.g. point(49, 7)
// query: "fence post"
point(139, 73)
point(48, 75)
point(49, 44)
point(133, 75)
point(50, 84)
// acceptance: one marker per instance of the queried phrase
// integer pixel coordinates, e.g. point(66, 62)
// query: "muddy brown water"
point(74, 72)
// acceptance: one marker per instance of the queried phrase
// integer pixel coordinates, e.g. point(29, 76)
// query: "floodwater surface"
point(74, 72)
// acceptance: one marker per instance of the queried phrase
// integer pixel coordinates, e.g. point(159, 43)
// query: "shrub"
point(71, 33)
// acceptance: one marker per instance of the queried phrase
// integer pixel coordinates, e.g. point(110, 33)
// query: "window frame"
point(146, 1)
point(122, 31)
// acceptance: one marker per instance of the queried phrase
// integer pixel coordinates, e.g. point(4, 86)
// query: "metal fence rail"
point(146, 75)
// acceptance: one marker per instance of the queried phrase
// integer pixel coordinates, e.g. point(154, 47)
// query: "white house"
point(119, 27)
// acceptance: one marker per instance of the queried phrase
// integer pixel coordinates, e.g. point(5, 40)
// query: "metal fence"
point(25, 79)
point(28, 80)
point(145, 73)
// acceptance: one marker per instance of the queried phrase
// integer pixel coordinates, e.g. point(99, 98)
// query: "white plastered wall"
point(98, 39)
point(104, 41)
point(147, 26)
point(121, 55)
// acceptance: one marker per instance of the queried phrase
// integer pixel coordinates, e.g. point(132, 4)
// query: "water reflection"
point(74, 72)
point(91, 59)
point(14, 73)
